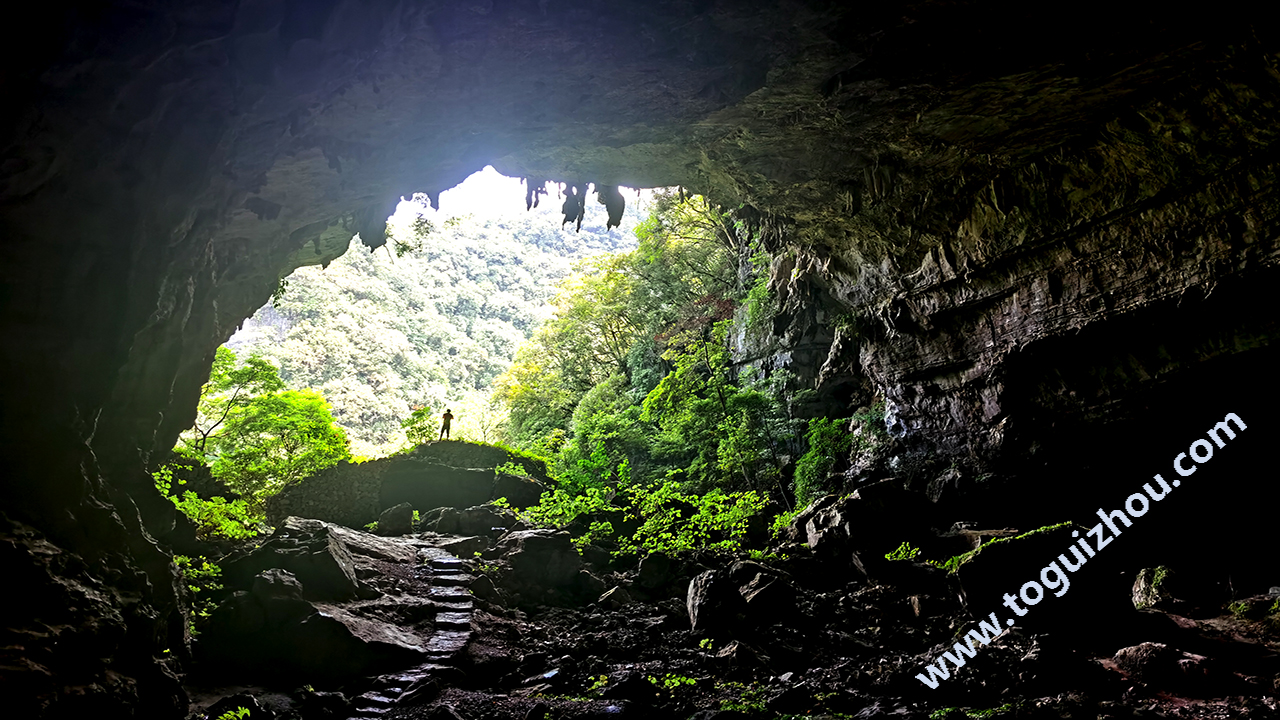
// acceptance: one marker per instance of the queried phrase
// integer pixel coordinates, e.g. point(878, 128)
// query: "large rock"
point(519, 491)
point(310, 550)
point(484, 520)
point(1164, 667)
point(271, 632)
point(859, 528)
point(714, 603)
point(396, 520)
point(541, 558)
point(545, 567)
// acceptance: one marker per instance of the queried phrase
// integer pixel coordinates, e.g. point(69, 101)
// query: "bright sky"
point(487, 194)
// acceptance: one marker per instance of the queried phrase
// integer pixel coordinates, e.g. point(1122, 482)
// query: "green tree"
point(231, 387)
point(257, 437)
point(276, 440)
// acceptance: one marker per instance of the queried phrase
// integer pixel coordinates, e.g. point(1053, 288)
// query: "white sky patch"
point(488, 194)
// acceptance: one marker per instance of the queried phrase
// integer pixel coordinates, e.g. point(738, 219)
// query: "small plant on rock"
point(203, 579)
point(747, 699)
point(904, 552)
point(598, 683)
point(671, 681)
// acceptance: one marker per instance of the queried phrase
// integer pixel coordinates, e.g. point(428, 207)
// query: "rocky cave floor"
point(478, 619)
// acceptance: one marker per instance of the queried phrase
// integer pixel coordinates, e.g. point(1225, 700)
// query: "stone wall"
point(444, 474)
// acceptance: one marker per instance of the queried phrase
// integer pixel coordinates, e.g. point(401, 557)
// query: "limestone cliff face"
point(1017, 209)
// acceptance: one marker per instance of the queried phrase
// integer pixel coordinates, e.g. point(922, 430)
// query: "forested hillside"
point(431, 320)
point(637, 391)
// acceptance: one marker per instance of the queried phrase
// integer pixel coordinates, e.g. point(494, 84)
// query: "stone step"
point(444, 592)
point(454, 619)
point(375, 700)
point(451, 580)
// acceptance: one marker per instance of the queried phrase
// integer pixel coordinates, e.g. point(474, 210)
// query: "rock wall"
point(441, 474)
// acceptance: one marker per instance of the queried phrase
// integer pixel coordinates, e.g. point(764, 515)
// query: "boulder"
point(272, 632)
point(520, 492)
point(588, 585)
point(541, 558)
point(768, 599)
point(962, 537)
point(795, 531)
point(1151, 589)
point(1165, 667)
point(443, 520)
point(396, 520)
point(859, 528)
point(239, 703)
point(483, 588)
point(1094, 602)
point(615, 598)
point(310, 550)
point(464, 547)
point(946, 486)
point(714, 603)
point(483, 520)
point(655, 571)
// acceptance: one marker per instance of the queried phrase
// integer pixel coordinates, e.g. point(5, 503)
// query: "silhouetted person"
point(444, 428)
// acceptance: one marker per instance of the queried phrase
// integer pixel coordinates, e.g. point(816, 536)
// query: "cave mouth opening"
point(432, 317)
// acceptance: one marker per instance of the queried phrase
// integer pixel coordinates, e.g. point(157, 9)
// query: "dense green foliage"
point(828, 439)
point(634, 390)
point(426, 327)
point(256, 436)
point(253, 437)
point(215, 517)
point(637, 364)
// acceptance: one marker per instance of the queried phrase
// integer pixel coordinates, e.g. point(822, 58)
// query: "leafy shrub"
point(828, 440)
point(563, 505)
point(510, 468)
point(203, 579)
point(671, 681)
point(872, 419)
point(784, 519)
point(718, 520)
point(216, 517)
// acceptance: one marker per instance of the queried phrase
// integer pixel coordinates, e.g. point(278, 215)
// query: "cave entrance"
point(434, 316)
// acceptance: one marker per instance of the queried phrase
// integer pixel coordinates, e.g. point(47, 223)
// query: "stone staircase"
point(448, 581)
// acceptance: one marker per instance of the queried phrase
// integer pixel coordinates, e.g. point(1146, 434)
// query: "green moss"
point(745, 699)
point(953, 565)
point(968, 714)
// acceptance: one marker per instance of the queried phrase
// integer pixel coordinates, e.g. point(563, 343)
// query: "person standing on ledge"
point(444, 428)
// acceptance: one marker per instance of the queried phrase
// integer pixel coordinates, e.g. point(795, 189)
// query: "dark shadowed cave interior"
point(1058, 227)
